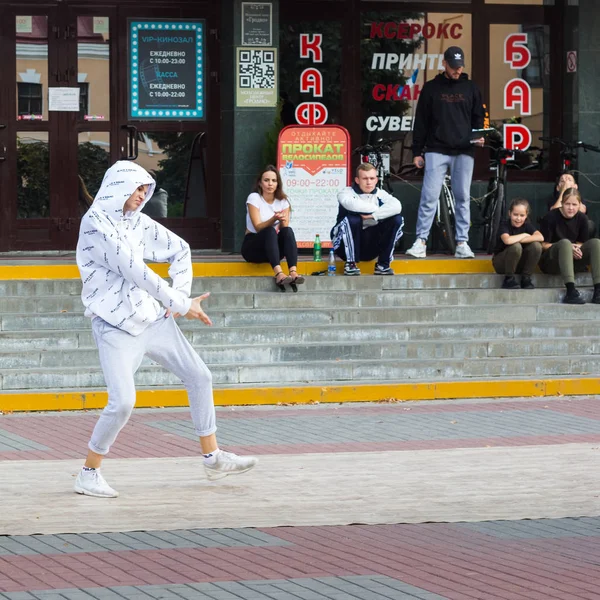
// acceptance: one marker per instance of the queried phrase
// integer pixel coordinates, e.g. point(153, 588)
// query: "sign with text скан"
point(314, 164)
point(166, 70)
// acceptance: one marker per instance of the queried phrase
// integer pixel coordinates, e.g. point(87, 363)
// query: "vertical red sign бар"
point(517, 91)
point(311, 81)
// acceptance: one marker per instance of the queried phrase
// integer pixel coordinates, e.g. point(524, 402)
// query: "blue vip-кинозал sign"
point(166, 61)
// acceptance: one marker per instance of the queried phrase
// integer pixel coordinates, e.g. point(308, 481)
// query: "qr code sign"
point(257, 69)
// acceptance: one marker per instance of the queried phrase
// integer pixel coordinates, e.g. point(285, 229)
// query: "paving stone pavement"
point(540, 559)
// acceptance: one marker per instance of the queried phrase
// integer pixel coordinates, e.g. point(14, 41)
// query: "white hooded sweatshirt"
point(118, 286)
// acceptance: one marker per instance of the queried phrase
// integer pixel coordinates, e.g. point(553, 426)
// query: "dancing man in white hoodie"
point(133, 310)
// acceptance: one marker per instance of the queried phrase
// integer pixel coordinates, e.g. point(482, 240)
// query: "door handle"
point(132, 142)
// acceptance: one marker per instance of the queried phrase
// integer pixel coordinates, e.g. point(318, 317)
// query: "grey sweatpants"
point(120, 357)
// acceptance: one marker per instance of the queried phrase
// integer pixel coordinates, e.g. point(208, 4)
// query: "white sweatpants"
point(120, 357)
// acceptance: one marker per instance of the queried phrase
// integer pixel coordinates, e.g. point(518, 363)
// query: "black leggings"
point(269, 246)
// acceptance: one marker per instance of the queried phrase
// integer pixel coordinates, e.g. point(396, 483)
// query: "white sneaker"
point(463, 251)
point(229, 463)
point(91, 483)
point(418, 249)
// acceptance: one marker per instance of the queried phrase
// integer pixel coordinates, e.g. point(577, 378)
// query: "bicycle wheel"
point(446, 222)
point(499, 209)
point(486, 212)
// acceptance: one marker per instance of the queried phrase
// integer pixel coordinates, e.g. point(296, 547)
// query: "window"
point(537, 71)
point(84, 99)
point(29, 98)
point(400, 51)
point(506, 110)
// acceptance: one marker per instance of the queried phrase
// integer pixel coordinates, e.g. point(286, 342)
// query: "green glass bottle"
point(317, 249)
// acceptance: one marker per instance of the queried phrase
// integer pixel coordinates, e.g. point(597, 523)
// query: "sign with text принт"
point(314, 164)
point(257, 23)
point(166, 64)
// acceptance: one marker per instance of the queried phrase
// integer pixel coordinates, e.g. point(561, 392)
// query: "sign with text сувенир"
point(166, 64)
point(313, 162)
point(257, 23)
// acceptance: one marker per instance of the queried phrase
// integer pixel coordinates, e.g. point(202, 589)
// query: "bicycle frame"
point(448, 194)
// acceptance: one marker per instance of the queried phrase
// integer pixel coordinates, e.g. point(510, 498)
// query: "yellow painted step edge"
point(242, 269)
point(47, 401)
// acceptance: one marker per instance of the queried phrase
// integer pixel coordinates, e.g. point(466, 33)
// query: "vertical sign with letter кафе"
point(313, 158)
point(166, 79)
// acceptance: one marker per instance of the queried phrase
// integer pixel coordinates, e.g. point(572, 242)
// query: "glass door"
point(165, 106)
point(91, 53)
point(30, 199)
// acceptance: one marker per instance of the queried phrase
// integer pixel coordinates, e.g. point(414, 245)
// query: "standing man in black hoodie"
point(449, 108)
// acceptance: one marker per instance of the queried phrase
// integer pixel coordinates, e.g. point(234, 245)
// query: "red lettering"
point(311, 44)
point(311, 113)
point(403, 31)
point(442, 31)
point(517, 91)
point(311, 80)
point(376, 30)
point(389, 30)
point(378, 92)
point(405, 94)
point(410, 92)
point(516, 52)
point(516, 136)
point(415, 30)
point(429, 30)
point(392, 92)
point(456, 31)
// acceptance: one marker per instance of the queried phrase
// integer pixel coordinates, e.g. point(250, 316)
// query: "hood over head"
point(120, 181)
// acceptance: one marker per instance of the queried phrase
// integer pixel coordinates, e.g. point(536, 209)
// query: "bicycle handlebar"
point(570, 145)
point(504, 152)
point(372, 148)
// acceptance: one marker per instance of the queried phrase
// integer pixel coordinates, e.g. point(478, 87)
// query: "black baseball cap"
point(455, 57)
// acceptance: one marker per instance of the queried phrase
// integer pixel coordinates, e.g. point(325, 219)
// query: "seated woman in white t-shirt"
point(269, 238)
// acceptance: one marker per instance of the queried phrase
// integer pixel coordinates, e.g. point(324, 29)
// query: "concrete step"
point(64, 287)
point(200, 337)
point(41, 305)
point(279, 353)
point(327, 373)
point(311, 317)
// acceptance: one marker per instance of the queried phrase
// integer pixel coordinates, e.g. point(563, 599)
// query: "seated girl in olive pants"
point(567, 247)
point(518, 248)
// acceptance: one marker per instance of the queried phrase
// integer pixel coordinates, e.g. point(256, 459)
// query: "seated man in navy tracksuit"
point(368, 223)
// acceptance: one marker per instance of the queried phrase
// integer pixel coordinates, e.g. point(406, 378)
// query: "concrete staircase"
point(337, 331)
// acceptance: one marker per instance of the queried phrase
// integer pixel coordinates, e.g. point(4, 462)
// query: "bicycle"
point(568, 151)
point(445, 212)
point(494, 207)
point(373, 154)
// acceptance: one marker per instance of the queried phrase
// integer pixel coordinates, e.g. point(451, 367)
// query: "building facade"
point(196, 92)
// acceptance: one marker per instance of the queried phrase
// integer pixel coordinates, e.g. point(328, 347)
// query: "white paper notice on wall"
point(63, 99)
point(100, 25)
point(24, 24)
